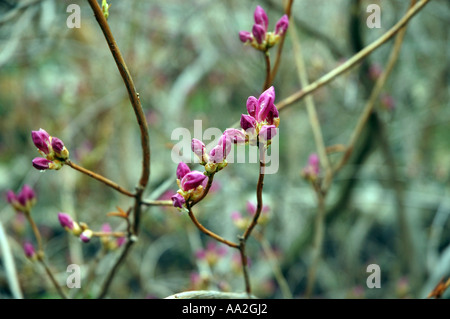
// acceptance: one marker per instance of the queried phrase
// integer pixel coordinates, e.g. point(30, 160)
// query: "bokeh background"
point(188, 64)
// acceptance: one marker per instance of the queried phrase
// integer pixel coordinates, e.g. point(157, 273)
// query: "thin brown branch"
point(259, 189)
point(157, 203)
point(310, 106)
point(276, 65)
point(353, 61)
point(108, 234)
point(244, 262)
point(319, 232)
point(52, 278)
point(132, 94)
point(36, 232)
point(267, 80)
point(205, 192)
point(113, 271)
point(100, 178)
point(208, 232)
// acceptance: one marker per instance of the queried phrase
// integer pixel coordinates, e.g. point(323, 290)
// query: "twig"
point(52, 278)
point(310, 107)
point(282, 283)
point(36, 232)
point(157, 202)
point(319, 231)
point(274, 71)
point(254, 222)
point(100, 178)
point(259, 189)
point(132, 94)
point(244, 262)
point(108, 234)
point(208, 232)
point(205, 192)
point(353, 60)
point(41, 255)
point(112, 272)
point(267, 80)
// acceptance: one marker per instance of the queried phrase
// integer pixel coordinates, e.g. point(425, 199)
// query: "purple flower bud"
point(267, 132)
point(265, 102)
point(247, 122)
point(11, 197)
point(251, 208)
point(106, 228)
point(245, 36)
point(42, 140)
point(236, 216)
point(41, 163)
point(86, 236)
point(225, 142)
point(198, 147)
point(313, 162)
point(236, 136)
point(65, 220)
point(253, 106)
point(259, 33)
point(26, 195)
point(178, 200)
point(282, 25)
point(261, 18)
point(221, 151)
point(120, 241)
point(29, 250)
point(57, 145)
point(182, 170)
point(192, 180)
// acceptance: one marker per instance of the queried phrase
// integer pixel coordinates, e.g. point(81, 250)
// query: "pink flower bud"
point(65, 220)
point(182, 170)
point(120, 241)
point(86, 236)
point(247, 122)
point(245, 36)
point(236, 216)
point(192, 180)
point(251, 208)
point(267, 132)
point(259, 33)
point(106, 228)
point(178, 200)
point(57, 145)
point(26, 196)
point(268, 109)
point(41, 163)
point(11, 197)
point(261, 18)
point(29, 250)
point(253, 106)
point(42, 140)
point(313, 162)
point(236, 136)
point(282, 25)
point(198, 147)
point(219, 153)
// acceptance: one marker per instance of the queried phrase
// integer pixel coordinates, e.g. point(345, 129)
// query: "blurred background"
point(188, 64)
